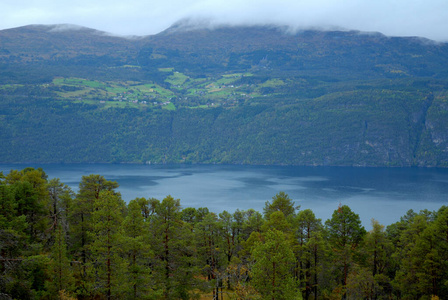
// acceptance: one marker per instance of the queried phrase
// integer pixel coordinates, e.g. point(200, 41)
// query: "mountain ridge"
point(193, 24)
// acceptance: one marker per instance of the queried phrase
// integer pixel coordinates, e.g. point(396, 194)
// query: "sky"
point(424, 18)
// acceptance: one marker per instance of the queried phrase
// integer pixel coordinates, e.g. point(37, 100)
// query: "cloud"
point(141, 17)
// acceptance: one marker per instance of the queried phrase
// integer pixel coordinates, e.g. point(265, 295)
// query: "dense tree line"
point(57, 244)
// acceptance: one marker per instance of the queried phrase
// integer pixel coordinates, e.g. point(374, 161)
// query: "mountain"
point(349, 54)
point(47, 51)
point(253, 95)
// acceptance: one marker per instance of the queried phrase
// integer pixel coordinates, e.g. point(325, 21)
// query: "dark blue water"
point(384, 194)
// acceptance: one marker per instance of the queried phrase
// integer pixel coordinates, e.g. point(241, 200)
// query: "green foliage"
point(345, 126)
point(309, 251)
point(151, 249)
point(107, 243)
point(137, 249)
point(277, 221)
point(345, 234)
point(271, 272)
point(280, 202)
point(344, 228)
point(60, 274)
point(378, 262)
point(83, 226)
point(172, 244)
point(61, 197)
point(424, 241)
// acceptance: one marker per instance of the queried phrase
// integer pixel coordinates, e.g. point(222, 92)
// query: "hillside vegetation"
point(251, 95)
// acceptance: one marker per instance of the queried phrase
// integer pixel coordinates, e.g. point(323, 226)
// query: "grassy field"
point(169, 106)
point(177, 90)
point(166, 69)
point(177, 79)
point(10, 86)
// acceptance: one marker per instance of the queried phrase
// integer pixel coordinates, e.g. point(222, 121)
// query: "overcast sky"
point(426, 18)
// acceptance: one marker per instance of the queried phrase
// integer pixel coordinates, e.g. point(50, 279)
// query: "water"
point(384, 194)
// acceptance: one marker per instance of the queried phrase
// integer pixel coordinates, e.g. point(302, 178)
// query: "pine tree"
point(29, 188)
point(173, 246)
point(228, 233)
point(61, 197)
point(308, 238)
point(280, 202)
point(378, 249)
point(61, 276)
point(345, 234)
point(425, 262)
point(137, 250)
point(406, 281)
point(212, 249)
point(272, 272)
point(253, 222)
point(107, 242)
point(81, 228)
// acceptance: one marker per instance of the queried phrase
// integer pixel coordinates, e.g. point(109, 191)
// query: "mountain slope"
point(253, 95)
point(35, 43)
point(339, 54)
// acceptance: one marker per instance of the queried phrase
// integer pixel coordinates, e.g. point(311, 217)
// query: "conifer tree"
point(272, 272)
point(345, 234)
point(106, 247)
point(253, 222)
point(31, 195)
point(278, 221)
point(228, 233)
point(212, 248)
point(173, 246)
point(280, 202)
point(406, 281)
point(81, 227)
point(425, 262)
point(309, 250)
point(60, 273)
point(137, 250)
point(13, 240)
point(379, 249)
point(61, 197)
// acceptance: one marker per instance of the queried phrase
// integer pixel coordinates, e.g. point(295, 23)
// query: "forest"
point(342, 126)
point(58, 244)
